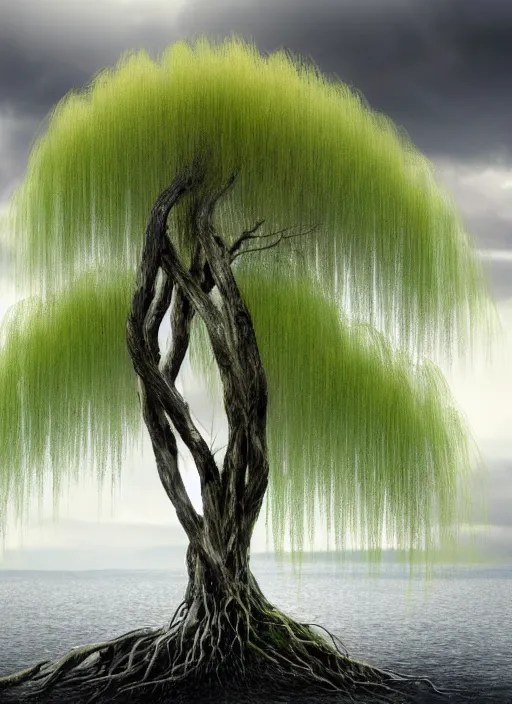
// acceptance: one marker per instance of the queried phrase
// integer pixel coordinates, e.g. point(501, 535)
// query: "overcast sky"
point(439, 68)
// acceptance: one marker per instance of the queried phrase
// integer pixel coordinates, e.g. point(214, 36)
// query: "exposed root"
point(227, 640)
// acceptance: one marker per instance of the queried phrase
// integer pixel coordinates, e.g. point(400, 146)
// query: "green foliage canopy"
point(68, 391)
point(369, 430)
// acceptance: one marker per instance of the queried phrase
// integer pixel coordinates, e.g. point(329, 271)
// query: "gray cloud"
point(501, 278)
point(439, 68)
point(46, 51)
point(493, 231)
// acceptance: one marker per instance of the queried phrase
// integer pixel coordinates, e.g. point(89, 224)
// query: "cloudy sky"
point(439, 68)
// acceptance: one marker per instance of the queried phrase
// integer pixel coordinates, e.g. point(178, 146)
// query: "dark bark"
point(231, 500)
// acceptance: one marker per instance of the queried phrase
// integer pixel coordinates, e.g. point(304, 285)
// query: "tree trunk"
point(227, 620)
point(224, 622)
point(221, 587)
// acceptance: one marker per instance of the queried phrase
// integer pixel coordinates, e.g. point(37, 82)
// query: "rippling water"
point(459, 634)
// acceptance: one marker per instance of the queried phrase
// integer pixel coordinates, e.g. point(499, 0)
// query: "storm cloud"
point(439, 68)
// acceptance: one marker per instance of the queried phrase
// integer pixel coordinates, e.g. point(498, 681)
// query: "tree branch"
point(166, 455)
point(235, 247)
point(155, 315)
point(183, 312)
point(247, 235)
point(199, 299)
point(141, 344)
point(155, 234)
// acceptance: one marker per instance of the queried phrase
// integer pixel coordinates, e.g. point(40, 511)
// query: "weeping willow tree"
point(311, 263)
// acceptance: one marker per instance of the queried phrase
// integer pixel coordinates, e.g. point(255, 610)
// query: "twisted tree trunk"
point(225, 623)
point(218, 556)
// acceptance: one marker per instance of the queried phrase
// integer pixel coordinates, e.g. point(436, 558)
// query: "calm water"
point(459, 634)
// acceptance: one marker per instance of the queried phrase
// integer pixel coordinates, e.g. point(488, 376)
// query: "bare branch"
point(247, 235)
point(274, 244)
point(183, 313)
